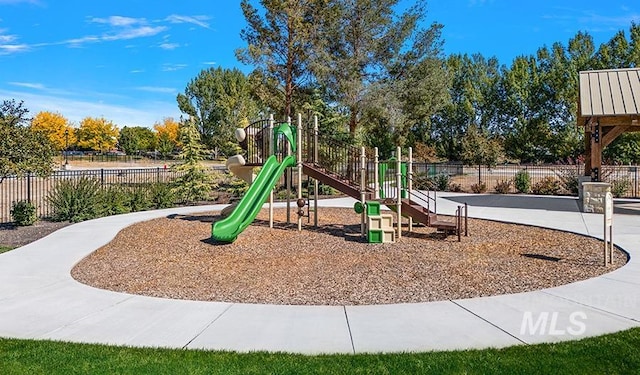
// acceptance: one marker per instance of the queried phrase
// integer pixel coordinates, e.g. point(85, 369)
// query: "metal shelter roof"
point(614, 92)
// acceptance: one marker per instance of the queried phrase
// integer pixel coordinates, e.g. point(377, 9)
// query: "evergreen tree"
point(194, 183)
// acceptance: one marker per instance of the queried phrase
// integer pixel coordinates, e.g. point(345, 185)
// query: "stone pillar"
point(594, 196)
point(582, 180)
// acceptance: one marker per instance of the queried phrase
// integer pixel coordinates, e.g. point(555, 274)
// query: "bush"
point(503, 187)
point(441, 182)
point(479, 188)
point(522, 181)
point(113, 201)
point(75, 199)
point(23, 213)
point(456, 188)
point(421, 181)
point(569, 179)
point(161, 195)
point(138, 199)
point(546, 186)
point(620, 187)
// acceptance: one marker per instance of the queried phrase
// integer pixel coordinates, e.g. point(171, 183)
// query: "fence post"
point(271, 151)
point(635, 185)
point(479, 173)
point(29, 187)
point(299, 157)
point(410, 183)
point(399, 189)
point(315, 139)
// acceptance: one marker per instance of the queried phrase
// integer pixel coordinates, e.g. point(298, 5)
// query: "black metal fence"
point(625, 180)
point(36, 189)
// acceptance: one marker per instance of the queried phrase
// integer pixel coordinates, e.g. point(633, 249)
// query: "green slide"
point(228, 229)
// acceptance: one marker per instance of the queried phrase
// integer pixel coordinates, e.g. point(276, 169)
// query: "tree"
point(55, 127)
point(278, 45)
point(22, 151)
point(167, 136)
point(129, 141)
point(133, 140)
point(623, 150)
point(362, 42)
point(474, 101)
point(194, 183)
point(478, 148)
point(97, 134)
point(219, 100)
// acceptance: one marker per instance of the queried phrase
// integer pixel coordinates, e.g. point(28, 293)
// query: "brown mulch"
point(174, 257)
point(16, 236)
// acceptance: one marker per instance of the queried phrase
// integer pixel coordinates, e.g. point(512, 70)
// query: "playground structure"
point(280, 149)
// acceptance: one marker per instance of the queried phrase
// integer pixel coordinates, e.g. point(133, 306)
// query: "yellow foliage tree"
point(56, 127)
point(168, 129)
point(167, 133)
point(97, 134)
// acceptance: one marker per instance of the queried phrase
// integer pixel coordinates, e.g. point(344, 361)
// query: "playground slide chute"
point(228, 229)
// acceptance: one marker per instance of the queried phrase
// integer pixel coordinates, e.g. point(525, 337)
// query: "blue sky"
point(126, 60)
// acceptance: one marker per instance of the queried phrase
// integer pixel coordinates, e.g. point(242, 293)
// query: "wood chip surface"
point(174, 257)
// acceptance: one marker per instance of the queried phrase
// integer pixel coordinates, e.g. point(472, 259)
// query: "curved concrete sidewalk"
point(40, 300)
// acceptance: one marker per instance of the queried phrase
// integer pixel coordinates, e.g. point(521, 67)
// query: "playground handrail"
point(425, 198)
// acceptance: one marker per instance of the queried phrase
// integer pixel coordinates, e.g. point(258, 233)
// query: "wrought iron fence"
point(625, 180)
point(36, 189)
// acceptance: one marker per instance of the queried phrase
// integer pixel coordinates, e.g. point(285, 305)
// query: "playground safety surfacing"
point(40, 300)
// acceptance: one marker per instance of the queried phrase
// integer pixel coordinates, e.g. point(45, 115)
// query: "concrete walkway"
point(40, 300)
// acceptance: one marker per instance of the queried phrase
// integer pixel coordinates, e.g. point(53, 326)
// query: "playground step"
point(422, 215)
point(447, 226)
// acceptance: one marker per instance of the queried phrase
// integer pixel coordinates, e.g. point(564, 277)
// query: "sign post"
point(608, 228)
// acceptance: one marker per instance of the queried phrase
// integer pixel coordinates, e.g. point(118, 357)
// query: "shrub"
point(161, 195)
point(479, 188)
point(421, 181)
point(546, 186)
point(75, 199)
point(522, 181)
point(620, 187)
point(441, 182)
point(503, 187)
point(24, 213)
point(456, 188)
point(138, 199)
point(113, 201)
point(233, 186)
point(569, 179)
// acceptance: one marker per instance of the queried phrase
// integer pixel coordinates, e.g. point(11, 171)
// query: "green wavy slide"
point(228, 229)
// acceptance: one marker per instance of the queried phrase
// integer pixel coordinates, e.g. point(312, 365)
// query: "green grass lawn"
point(611, 354)
point(4, 249)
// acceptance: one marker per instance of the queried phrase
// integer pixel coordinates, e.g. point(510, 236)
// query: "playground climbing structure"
point(354, 171)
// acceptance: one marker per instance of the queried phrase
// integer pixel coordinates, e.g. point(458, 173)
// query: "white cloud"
point(160, 90)
point(143, 113)
point(119, 21)
point(169, 46)
point(8, 45)
point(173, 67)
point(6, 49)
point(196, 20)
point(136, 71)
point(209, 63)
point(3, 2)
point(123, 28)
point(36, 86)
